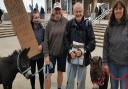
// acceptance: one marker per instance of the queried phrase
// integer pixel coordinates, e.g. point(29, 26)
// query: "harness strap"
point(18, 66)
point(38, 71)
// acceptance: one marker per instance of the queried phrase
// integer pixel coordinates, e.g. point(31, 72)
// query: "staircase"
point(6, 30)
point(99, 30)
point(99, 27)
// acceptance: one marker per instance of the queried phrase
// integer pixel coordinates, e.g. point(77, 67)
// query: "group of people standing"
point(70, 40)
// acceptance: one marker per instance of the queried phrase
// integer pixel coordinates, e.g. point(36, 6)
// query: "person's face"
point(36, 17)
point(118, 12)
point(57, 12)
point(78, 13)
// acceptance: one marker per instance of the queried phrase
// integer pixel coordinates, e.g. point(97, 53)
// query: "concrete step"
point(100, 28)
point(6, 28)
point(99, 34)
point(99, 45)
point(7, 35)
point(100, 25)
point(6, 31)
point(100, 31)
point(99, 41)
point(99, 37)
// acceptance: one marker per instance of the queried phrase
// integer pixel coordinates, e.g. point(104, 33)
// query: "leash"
point(37, 71)
point(47, 68)
point(100, 80)
point(121, 78)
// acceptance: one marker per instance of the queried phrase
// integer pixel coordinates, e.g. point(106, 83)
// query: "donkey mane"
point(10, 58)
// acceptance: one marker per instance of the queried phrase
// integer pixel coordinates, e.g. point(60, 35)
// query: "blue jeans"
point(118, 71)
point(73, 72)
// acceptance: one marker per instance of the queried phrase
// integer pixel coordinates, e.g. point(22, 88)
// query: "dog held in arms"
point(98, 77)
point(18, 61)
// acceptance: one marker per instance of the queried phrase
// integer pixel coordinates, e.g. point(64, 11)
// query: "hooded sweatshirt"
point(115, 48)
point(53, 42)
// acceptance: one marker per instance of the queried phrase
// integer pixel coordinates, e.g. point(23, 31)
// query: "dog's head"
point(96, 73)
point(96, 61)
point(95, 67)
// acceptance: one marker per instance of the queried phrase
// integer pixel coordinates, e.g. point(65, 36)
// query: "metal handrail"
point(105, 13)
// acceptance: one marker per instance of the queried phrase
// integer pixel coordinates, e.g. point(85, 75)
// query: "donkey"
point(18, 61)
point(98, 77)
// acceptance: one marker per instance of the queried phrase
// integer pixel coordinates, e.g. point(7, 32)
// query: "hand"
point(78, 53)
point(73, 55)
point(40, 48)
point(46, 60)
point(105, 68)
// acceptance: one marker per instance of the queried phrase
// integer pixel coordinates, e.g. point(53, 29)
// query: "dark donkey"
point(11, 65)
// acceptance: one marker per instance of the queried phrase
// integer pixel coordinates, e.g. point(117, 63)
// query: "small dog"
point(98, 77)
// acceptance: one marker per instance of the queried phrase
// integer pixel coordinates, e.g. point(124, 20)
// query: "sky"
point(26, 3)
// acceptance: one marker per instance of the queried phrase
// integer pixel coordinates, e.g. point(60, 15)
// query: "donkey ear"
point(25, 50)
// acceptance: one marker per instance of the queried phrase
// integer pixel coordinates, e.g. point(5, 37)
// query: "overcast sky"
point(26, 3)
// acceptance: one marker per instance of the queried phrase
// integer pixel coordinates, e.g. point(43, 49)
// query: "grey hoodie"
point(53, 42)
point(115, 48)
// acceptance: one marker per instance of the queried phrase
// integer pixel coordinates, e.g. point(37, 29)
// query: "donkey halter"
point(23, 72)
point(18, 66)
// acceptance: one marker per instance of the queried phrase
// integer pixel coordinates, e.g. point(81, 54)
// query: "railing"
point(105, 13)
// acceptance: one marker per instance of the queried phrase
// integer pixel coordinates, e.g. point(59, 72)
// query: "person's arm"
point(106, 46)
point(46, 45)
point(67, 39)
point(91, 39)
point(43, 33)
point(105, 52)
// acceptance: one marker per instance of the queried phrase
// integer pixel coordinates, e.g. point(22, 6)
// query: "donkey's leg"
point(7, 85)
point(10, 85)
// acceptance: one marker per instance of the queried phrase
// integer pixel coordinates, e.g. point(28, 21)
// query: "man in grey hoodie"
point(53, 45)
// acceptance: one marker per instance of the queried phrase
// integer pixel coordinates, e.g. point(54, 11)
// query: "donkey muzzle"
point(28, 74)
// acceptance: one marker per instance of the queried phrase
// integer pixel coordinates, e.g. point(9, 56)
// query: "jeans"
point(118, 71)
point(72, 72)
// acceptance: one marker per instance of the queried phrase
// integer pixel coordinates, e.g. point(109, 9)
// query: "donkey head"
point(23, 63)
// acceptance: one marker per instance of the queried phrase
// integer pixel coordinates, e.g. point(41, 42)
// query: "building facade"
point(68, 4)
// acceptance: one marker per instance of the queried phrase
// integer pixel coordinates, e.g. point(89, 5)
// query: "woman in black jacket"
point(39, 59)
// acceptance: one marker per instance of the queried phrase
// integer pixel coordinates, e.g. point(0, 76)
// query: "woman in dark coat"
point(38, 59)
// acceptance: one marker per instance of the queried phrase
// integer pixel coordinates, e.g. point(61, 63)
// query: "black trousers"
point(40, 63)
